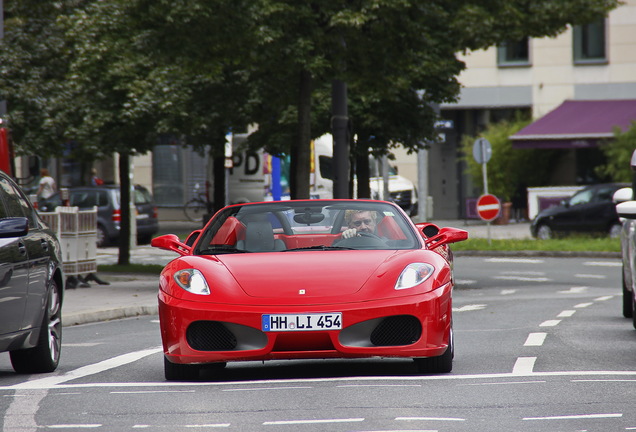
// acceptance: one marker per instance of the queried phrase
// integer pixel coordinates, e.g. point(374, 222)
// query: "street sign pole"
point(482, 151)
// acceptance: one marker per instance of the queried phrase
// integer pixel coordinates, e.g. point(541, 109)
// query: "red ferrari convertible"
point(308, 280)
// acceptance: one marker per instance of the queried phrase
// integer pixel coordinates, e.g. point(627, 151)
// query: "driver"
point(359, 221)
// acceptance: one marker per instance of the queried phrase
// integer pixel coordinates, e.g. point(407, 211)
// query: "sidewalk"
point(130, 295)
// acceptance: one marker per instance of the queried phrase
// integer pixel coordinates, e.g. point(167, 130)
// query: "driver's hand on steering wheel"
point(349, 233)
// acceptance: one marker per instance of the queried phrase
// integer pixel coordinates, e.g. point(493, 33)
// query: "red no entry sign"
point(488, 207)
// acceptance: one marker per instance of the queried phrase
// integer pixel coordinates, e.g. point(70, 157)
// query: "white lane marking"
point(141, 426)
point(515, 260)
point(590, 276)
point(523, 273)
point(604, 298)
point(151, 391)
point(74, 426)
point(158, 384)
point(603, 263)
point(566, 314)
point(213, 425)
point(429, 418)
point(267, 388)
point(576, 417)
point(508, 291)
point(535, 339)
point(524, 366)
point(465, 282)
point(378, 385)
point(507, 383)
point(522, 278)
point(467, 308)
point(583, 305)
point(549, 323)
point(574, 290)
point(323, 421)
point(87, 370)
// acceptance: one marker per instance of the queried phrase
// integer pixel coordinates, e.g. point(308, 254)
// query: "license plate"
point(302, 322)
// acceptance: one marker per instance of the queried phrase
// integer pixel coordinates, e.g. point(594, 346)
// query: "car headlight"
point(413, 275)
point(192, 280)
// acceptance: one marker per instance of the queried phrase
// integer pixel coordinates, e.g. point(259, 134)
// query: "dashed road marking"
point(566, 314)
point(524, 366)
point(472, 307)
point(535, 339)
point(549, 323)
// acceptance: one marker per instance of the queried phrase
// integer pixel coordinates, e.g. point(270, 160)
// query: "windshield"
point(308, 225)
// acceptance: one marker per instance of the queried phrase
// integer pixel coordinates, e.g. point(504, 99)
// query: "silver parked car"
point(626, 209)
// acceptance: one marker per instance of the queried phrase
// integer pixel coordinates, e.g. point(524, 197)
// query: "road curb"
point(74, 319)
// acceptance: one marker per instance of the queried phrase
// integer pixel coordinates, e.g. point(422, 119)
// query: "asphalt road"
point(540, 346)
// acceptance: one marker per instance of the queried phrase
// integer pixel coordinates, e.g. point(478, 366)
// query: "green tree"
point(508, 168)
point(618, 153)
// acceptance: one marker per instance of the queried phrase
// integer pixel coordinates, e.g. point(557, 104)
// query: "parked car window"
point(16, 203)
point(583, 197)
point(102, 198)
point(605, 194)
point(142, 196)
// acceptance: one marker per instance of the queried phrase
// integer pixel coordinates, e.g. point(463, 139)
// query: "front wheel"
point(628, 301)
point(45, 356)
point(439, 364)
point(544, 232)
point(194, 210)
point(180, 372)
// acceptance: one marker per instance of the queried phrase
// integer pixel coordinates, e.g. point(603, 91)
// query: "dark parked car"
point(31, 284)
point(107, 200)
point(589, 210)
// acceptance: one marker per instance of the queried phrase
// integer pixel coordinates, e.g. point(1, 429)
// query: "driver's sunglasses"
point(363, 221)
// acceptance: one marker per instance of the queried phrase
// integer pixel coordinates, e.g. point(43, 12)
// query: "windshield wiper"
point(319, 247)
point(221, 249)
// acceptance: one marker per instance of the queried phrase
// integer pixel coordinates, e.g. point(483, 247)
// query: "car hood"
point(320, 274)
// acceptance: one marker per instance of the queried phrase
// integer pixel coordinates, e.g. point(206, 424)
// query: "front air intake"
point(210, 336)
point(397, 330)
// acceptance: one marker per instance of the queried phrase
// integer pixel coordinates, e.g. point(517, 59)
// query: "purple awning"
point(577, 124)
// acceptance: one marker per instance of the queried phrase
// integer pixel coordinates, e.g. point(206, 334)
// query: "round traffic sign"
point(488, 207)
point(482, 150)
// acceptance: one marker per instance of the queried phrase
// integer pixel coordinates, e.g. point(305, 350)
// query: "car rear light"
point(155, 213)
point(116, 215)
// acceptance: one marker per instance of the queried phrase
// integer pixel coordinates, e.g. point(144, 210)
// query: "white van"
point(250, 178)
point(401, 189)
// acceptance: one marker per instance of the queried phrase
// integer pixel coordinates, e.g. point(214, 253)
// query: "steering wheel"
point(369, 235)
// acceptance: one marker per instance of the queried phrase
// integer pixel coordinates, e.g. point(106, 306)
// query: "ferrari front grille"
point(397, 330)
point(210, 336)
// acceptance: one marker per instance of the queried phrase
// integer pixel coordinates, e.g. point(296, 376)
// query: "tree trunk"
point(124, 190)
point(300, 157)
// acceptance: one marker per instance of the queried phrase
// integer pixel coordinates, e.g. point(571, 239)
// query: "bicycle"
point(197, 207)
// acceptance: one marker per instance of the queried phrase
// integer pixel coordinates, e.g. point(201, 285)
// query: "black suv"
point(107, 200)
point(589, 210)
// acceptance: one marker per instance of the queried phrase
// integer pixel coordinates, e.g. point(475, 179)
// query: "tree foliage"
point(618, 153)
point(509, 169)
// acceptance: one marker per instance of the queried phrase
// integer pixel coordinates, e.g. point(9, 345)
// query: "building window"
point(514, 53)
point(589, 42)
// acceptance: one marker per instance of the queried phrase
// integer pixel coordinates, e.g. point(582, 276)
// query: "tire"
point(544, 232)
point(615, 230)
point(628, 301)
point(439, 364)
point(194, 210)
point(45, 356)
point(102, 237)
point(180, 372)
